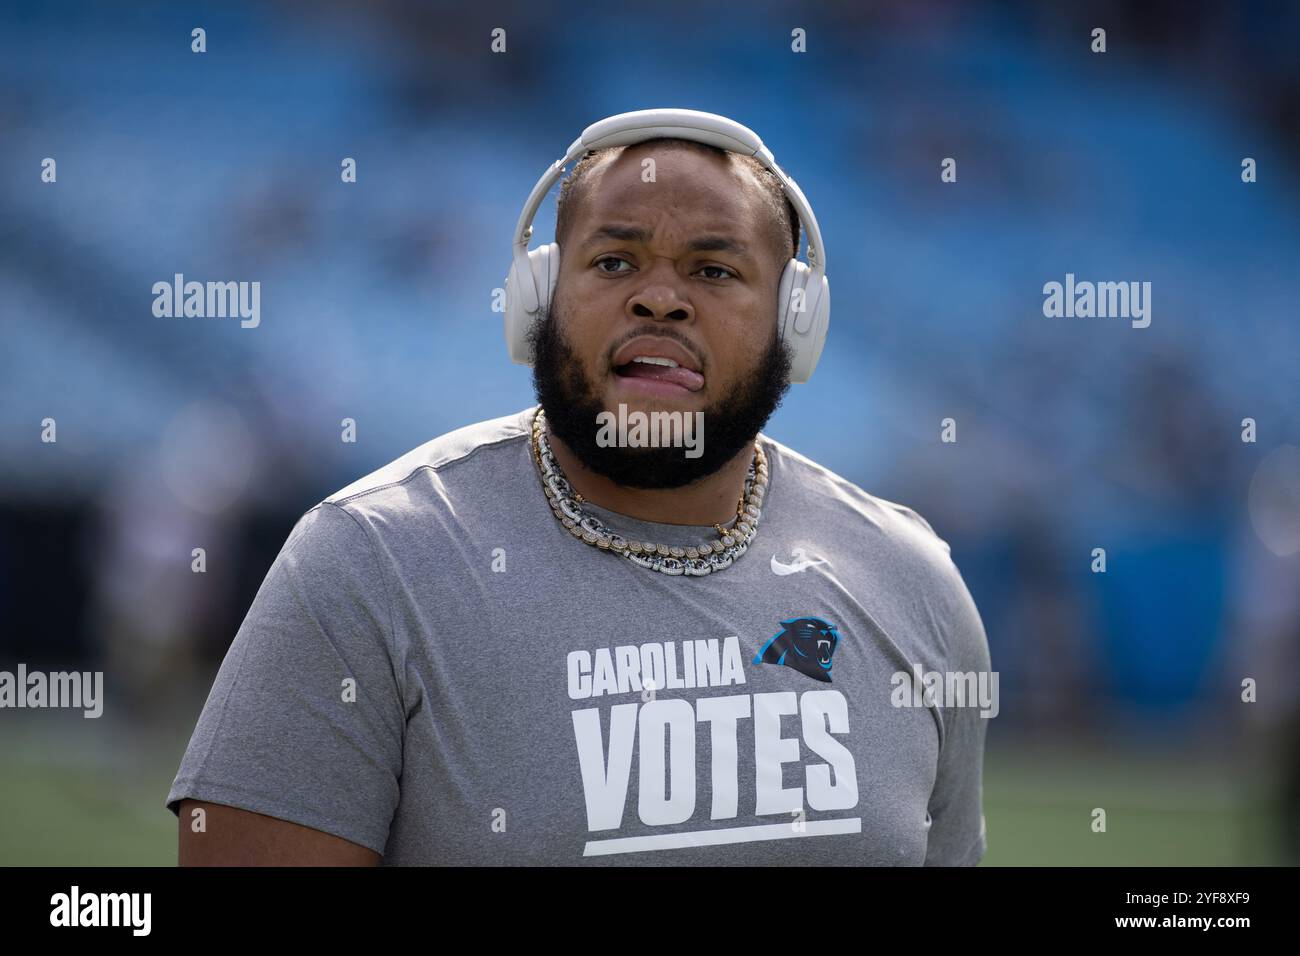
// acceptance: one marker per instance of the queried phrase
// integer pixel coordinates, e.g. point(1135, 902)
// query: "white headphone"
point(803, 297)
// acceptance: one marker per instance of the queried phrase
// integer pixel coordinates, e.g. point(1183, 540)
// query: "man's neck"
point(711, 500)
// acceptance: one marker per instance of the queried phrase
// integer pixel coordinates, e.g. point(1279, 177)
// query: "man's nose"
point(660, 298)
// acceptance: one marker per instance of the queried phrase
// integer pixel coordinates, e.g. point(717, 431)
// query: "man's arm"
point(957, 836)
point(297, 753)
point(232, 837)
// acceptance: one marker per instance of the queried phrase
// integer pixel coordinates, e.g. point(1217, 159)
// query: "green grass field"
point(1038, 810)
point(99, 804)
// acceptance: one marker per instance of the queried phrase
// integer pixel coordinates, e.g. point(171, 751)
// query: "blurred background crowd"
point(1120, 690)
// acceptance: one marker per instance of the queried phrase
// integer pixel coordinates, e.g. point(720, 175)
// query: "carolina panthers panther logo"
point(806, 644)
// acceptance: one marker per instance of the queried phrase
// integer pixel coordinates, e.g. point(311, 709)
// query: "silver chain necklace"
point(694, 561)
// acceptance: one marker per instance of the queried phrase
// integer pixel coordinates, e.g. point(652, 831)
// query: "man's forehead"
point(708, 194)
point(631, 179)
point(715, 196)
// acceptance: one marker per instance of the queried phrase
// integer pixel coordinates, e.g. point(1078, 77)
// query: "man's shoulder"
point(439, 455)
point(847, 504)
point(890, 545)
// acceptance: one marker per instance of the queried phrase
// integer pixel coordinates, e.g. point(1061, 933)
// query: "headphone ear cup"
point(544, 264)
point(803, 329)
point(821, 324)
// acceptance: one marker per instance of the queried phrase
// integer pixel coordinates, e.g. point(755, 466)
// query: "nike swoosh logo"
point(795, 567)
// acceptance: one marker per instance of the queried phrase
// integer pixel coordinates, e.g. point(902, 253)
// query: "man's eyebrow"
point(716, 243)
point(621, 233)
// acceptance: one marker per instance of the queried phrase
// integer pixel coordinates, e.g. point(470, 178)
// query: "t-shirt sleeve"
point(957, 834)
point(305, 719)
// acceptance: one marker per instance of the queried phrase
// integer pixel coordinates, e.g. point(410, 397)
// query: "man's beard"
point(572, 403)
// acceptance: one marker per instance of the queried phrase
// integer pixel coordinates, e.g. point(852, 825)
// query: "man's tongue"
point(692, 381)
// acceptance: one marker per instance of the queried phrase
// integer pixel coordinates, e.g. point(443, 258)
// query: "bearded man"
point(542, 640)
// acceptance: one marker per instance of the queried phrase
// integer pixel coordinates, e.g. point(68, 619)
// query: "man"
point(540, 640)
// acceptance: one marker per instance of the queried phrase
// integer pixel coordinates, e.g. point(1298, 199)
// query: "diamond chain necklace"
point(692, 561)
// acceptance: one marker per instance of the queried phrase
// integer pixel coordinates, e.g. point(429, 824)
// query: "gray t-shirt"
point(434, 668)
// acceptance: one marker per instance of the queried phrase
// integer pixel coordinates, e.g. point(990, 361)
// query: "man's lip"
point(652, 387)
point(656, 347)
